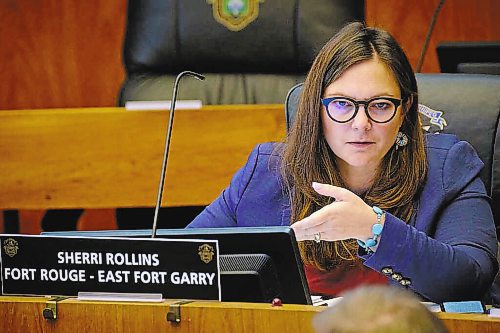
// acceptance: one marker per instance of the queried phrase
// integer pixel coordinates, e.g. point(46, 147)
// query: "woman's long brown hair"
point(307, 157)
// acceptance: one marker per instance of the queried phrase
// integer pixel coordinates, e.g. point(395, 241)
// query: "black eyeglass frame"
point(327, 100)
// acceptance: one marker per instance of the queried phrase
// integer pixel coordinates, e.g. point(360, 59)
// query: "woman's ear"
point(407, 103)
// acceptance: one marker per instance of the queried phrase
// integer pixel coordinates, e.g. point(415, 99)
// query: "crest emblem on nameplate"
point(235, 14)
point(10, 247)
point(206, 253)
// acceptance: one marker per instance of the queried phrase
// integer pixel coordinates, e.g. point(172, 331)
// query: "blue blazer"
point(447, 251)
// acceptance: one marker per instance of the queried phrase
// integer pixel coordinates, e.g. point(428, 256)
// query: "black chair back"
point(471, 107)
point(251, 57)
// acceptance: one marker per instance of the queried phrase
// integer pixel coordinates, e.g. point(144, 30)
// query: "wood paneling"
point(98, 158)
point(109, 157)
point(458, 20)
point(24, 314)
point(60, 53)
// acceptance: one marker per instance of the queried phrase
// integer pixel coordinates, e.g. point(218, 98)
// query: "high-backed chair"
point(471, 107)
point(250, 55)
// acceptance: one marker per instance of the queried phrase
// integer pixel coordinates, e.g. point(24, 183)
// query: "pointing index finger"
point(336, 192)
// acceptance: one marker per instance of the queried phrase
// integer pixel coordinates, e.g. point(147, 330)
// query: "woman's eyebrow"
point(365, 99)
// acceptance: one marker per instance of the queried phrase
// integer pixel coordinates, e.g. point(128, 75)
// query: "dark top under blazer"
point(447, 251)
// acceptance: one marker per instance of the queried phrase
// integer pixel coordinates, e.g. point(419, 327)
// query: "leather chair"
point(471, 107)
point(244, 64)
point(247, 59)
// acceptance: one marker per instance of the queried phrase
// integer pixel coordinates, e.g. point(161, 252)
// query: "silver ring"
point(317, 237)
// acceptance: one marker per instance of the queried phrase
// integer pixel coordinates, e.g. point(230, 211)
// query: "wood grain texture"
point(24, 315)
point(60, 53)
point(458, 20)
point(109, 157)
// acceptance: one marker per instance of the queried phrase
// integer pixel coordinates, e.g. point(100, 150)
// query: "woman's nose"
point(361, 120)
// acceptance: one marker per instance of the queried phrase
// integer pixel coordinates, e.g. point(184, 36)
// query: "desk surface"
point(109, 157)
point(24, 314)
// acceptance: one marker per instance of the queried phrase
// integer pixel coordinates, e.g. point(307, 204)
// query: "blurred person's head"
point(378, 309)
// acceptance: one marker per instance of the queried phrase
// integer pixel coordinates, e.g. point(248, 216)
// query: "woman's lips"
point(360, 144)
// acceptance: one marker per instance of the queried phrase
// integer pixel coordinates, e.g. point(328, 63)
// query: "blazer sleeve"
point(222, 211)
point(458, 261)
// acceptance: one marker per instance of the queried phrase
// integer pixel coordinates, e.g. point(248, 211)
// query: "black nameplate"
point(46, 265)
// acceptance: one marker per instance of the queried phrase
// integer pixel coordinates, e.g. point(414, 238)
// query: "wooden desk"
point(109, 157)
point(24, 314)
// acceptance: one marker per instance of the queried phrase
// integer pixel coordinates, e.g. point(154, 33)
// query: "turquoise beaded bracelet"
point(376, 230)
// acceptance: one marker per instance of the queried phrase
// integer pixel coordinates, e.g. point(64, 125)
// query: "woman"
point(369, 197)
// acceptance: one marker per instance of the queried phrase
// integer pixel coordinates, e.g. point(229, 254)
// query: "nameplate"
point(162, 105)
point(47, 265)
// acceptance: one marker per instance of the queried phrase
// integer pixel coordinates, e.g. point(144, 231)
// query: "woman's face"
point(361, 142)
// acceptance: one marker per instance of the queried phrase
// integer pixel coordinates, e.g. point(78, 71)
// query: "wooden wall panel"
point(60, 53)
point(458, 20)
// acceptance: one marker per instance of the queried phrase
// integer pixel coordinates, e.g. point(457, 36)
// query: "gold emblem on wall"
point(206, 253)
point(235, 14)
point(10, 246)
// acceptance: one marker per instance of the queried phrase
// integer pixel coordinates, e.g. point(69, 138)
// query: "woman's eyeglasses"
point(344, 109)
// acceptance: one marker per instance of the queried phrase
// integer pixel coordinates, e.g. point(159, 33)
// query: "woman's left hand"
point(347, 217)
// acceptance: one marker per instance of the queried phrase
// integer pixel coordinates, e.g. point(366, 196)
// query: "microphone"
point(167, 144)
point(428, 36)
